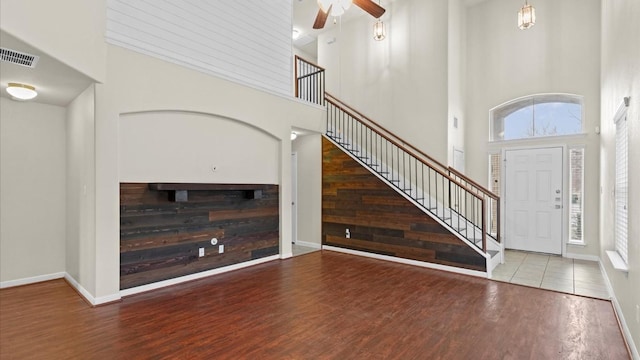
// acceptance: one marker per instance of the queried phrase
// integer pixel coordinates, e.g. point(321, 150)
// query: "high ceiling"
point(58, 84)
point(304, 14)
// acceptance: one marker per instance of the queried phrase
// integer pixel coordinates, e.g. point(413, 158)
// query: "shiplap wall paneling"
point(380, 220)
point(159, 239)
point(245, 41)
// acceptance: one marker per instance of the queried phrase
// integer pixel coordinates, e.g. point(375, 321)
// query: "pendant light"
point(379, 31)
point(526, 16)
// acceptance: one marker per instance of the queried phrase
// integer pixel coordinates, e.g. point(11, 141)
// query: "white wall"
point(80, 176)
point(71, 31)
point(309, 150)
point(245, 42)
point(456, 77)
point(621, 78)
point(400, 82)
point(32, 190)
point(184, 147)
point(559, 54)
point(138, 83)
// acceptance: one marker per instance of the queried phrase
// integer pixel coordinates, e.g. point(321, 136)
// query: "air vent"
point(18, 58)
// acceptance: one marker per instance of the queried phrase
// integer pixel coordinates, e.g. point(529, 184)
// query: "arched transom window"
point(537, 116)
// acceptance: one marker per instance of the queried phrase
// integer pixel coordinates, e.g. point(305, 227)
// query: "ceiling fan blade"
point(321, 18)
point(369, 6)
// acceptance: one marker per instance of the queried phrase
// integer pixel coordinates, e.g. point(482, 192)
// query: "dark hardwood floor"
point(321, 305)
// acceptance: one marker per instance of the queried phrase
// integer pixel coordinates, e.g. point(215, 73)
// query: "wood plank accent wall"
point(159, 239)
point(380, 220)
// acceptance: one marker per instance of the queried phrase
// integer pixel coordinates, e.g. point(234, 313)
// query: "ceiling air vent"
point(18, 58)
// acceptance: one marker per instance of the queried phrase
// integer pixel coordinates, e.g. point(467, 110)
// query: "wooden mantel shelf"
point(178, 192)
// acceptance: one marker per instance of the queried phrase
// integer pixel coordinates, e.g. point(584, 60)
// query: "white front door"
point(533, 200)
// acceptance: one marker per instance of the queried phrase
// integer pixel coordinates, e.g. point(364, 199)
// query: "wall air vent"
point(18, 58)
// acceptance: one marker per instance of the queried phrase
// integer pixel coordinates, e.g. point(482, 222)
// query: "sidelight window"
point(576, 187)
point(621, 188)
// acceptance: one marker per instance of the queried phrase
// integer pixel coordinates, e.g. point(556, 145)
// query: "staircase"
point(465, 208)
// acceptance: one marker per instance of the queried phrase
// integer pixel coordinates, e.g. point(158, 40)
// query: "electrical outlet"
point(220, 249)
point(200, 252)
point(347, 234)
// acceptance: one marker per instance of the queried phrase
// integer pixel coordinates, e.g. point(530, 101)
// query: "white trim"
point(576, 243)
point(87, 295)
point(543, 139)
point(453, 269)
point(309, 244)
point(582, 257)
point(286, 255)
point(626, 332)
point(31, 280)
point(616, 261)
point(200, 275)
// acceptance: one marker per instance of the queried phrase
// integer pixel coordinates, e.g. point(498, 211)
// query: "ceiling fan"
point(337, 8)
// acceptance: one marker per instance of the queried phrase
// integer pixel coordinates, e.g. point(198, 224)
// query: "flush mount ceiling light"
point(21, 91)
point(526, 16)
point(294, 135)
point(295, 34)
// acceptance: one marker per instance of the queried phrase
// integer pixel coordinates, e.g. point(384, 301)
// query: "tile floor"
point(301, 250)
point(552, 272)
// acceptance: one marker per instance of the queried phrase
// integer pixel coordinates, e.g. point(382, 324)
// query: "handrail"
point(308, 62)
point(475, 184)
point(350, 111)
point(364, 117)
point(448, 168)
point(493, 197)
point(362, 137)
point(310, 74)
point(309, 82)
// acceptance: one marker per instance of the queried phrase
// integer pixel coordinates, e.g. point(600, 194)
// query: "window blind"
point(621, 188)
point(576, 181)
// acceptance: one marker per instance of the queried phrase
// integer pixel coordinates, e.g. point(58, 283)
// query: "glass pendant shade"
point(526, 16)
point(379, 32)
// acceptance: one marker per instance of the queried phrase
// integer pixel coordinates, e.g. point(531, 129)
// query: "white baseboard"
point(616, 307)
point(408, 261)
point(582, 257)
point(87, 295)
point(309, 244)
point(200, 275)
point(286, 255)
point(32, 280)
